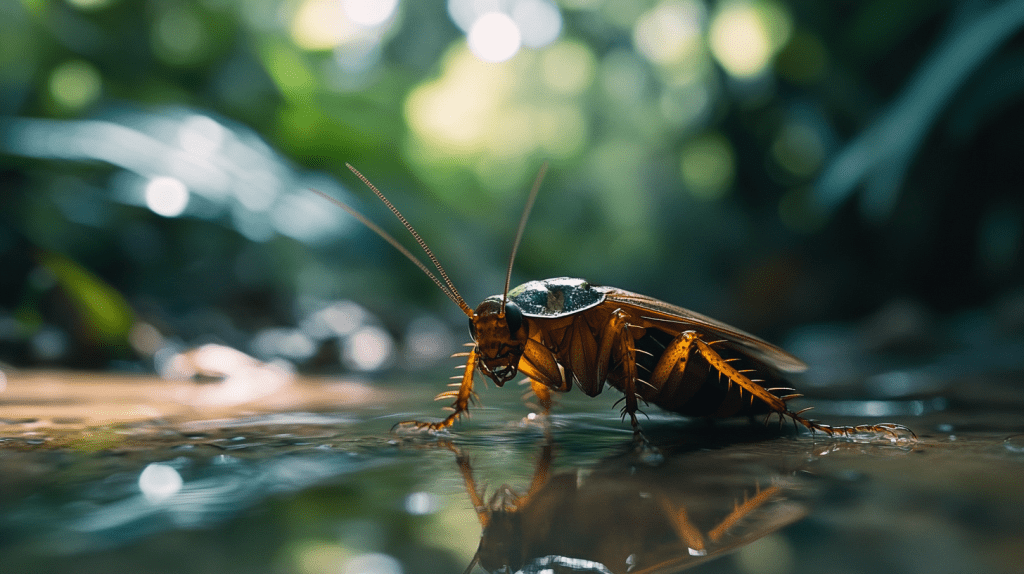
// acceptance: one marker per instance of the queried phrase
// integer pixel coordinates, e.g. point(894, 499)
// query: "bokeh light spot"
point(456, 111)
point(321, 25)
point(166, 196)
point(740, 39)
point(75, 84)
point(494, 37)
point(338, 319)
point(671, 32)
point(539, 21)
point(158, 482)
point(420, 503)
point(494, 117)
point(465, 12)
point(369, 13)
point(708, 166)
point(368, 349)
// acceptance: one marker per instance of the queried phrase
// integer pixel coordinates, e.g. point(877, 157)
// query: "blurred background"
point(842, 178)
point(802, 170)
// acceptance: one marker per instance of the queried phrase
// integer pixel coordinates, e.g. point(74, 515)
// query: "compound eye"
point(472, 328)
point(513, 317)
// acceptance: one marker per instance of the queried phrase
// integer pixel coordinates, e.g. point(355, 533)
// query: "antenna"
point(450, 291)
point(519, 233)
point(474, 561)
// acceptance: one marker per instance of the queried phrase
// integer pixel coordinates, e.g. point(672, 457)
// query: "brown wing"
point(678, 319)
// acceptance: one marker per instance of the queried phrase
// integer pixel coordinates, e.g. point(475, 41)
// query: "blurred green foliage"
point(767, 162)
point(104, 315)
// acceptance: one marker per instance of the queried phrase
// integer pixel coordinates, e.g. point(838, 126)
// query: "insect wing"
point(665, 316)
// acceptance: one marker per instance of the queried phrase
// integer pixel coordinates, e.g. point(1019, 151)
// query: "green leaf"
point(105, 314)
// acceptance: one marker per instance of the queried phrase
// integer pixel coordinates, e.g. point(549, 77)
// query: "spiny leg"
point(463, 395)
point(690, 535)
point(616, 339)
point(741, 511)
point(673, 360)
point(892, 431)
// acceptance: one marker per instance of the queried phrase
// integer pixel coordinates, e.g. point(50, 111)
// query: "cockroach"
point(567, 332)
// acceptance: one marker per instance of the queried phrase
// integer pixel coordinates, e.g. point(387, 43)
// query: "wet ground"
point(131, 473)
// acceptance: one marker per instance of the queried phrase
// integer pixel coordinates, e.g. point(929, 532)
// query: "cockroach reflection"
point(621, 516)
point(567, 332)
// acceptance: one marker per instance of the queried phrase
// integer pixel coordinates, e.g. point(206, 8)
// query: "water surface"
point(125, 473)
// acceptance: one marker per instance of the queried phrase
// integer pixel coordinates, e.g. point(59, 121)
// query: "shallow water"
point(119, 473)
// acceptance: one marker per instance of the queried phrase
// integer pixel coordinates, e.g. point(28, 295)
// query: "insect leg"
point(462, 397)
point(616, 339)
point(778, 404)
point(543, 470)
point(543, 394)
point(476, 496)
point(672, 363)
point(741, 511)
point(890, 431)
point(687, 532)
